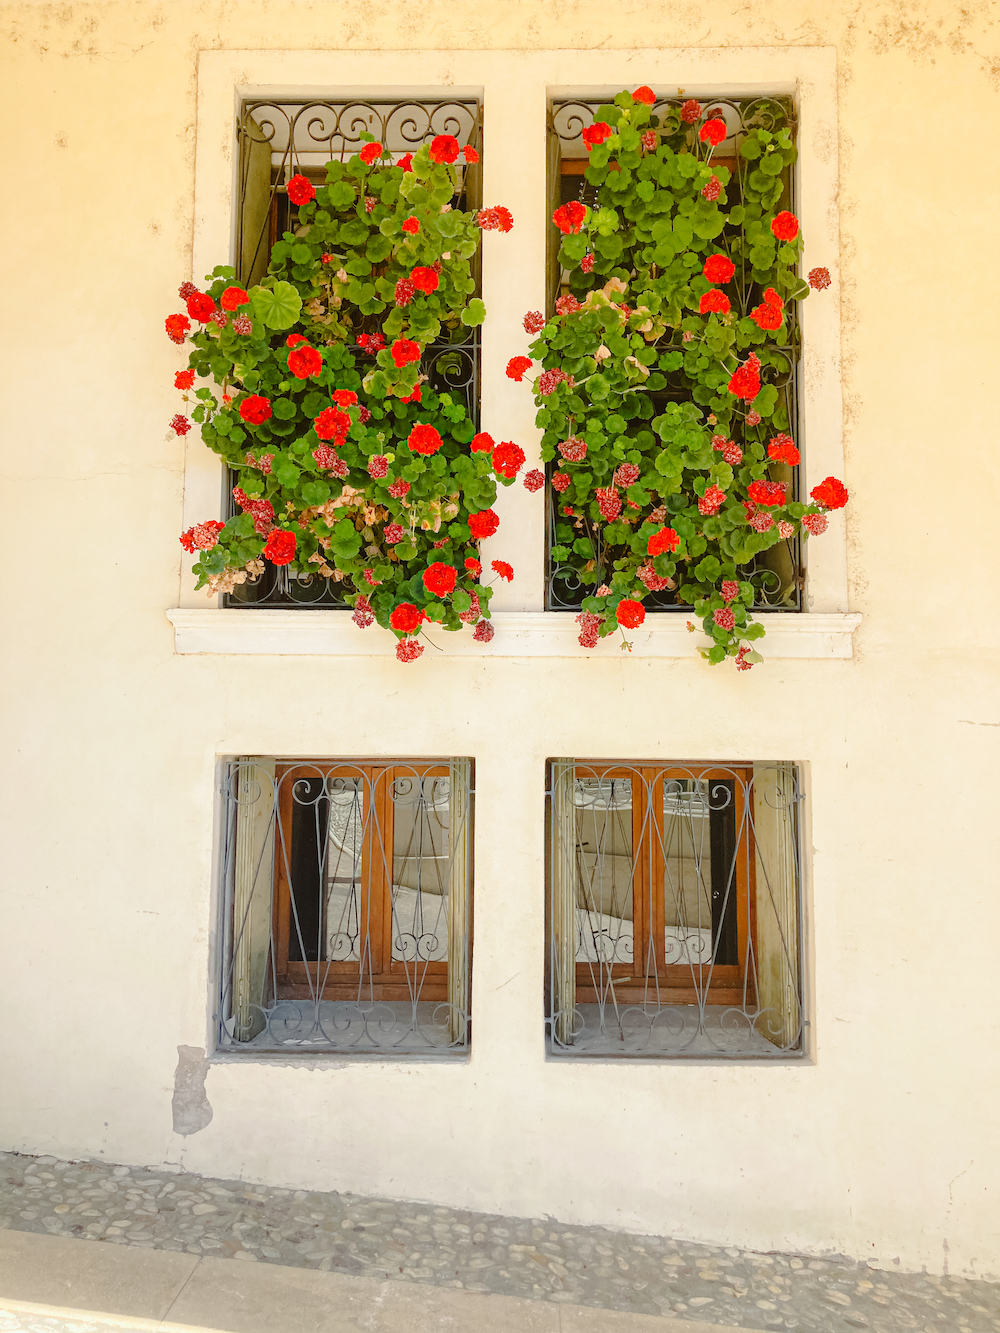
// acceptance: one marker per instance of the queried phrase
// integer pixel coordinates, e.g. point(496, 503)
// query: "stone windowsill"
point(518, 634)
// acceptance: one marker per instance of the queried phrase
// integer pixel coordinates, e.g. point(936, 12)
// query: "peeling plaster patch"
point(190, 1106)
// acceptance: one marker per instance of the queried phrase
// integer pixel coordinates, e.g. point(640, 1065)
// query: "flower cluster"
point(661, 378)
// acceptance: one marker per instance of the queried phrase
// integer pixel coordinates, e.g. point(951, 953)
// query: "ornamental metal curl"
point(680, 883)
point(345, 906)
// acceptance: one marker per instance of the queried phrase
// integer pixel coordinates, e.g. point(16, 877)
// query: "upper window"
point(701, 181)
point(279, 140)
point(674, 910)
point(346, 906)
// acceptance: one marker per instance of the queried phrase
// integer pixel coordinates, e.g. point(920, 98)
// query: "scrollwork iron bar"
point(725, 981)
point(564, 589)
point(330, 940)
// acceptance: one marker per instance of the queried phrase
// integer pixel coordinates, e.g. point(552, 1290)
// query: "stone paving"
point(528, 1257)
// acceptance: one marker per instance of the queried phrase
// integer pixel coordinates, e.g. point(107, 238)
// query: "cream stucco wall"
point(884, 1144)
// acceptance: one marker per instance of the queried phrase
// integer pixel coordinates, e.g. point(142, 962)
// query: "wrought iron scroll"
point(777, 573)
point(346, 906)
point(674, 910)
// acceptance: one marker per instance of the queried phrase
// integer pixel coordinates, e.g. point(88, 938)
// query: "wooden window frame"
point(721, 983)
point(376, 974)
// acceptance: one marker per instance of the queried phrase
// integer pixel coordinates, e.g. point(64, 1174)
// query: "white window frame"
point(515, 88)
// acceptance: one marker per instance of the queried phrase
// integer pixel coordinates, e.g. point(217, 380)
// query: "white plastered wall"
point(884, 1145)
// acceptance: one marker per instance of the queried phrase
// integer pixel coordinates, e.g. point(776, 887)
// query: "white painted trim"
point(518, 634)
point(515, 87)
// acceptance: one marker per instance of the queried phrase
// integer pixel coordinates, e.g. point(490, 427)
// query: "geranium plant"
point(348, 464)
point(666, 428)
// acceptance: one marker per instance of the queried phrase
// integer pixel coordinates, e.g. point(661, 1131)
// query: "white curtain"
point(778, 970)
point(564, 892)
point(459, 850)
point(253, 882)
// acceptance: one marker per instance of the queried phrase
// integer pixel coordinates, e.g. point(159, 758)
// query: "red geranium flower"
point(483, 524)
point(425, 280)
point(280, 547)
point(413, 397)
point(495, 219)
point(715, 302)
point(596, 134)
point(202, 537)
point(724, 618)
point(561, 481)
point(474, 567)
point(300, 191)
point(470, 155)
point(782, 449)
point(424, 439)
point(483, 443)
point(502, 568)
point(569, 218)
point(769, 493)
point(233, 297)
point(663, 540)
point(630, 613)
point(718, 268)
point(184, 379)
point(819, 279)
point(771, 297)
point(831, 493)
point(712, 501)
point(404, 351)
point(745, 381)
point(305, 361)
point(255, 410)
point(344, 397)
point(645, 95)
point(712, 189)
point(370, 153)
point(294, 339)
point(730, 589)
point(691, 112)
point(508, 459)
point(785, 226)
point(176, 326)
point(713, 131)
point(411, 225)
point(406, 618)
point(534, 480)
point(200, 307)
point(405, 163)
point(767, 316)
point(378, 467)
point(331, 422)
point(180, 424)
point(444, 148)
point(816, 524)
point(516, 367)
point(439, 579)
point(568, 304)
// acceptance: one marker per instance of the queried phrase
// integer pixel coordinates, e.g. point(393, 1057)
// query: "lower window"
point(674, 909)
point(346, 905)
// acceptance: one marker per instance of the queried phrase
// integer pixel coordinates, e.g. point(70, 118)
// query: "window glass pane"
point(343, 869)
point(605, 869)
point(420, 868)
point(687, 871)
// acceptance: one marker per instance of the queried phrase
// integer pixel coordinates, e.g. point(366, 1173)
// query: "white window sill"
point(518, 634)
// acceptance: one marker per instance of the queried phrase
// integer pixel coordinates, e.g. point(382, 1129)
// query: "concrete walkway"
point(50, 1284)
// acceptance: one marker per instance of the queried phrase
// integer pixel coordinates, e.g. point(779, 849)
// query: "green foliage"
point(651, 371)
point(332, 283)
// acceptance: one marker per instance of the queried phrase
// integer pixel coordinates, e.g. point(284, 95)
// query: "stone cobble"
point(535, 1258)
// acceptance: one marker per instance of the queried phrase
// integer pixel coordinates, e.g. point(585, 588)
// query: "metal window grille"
point(674, 910)
point(777, 573)
point(279, 139)
point(346, 906)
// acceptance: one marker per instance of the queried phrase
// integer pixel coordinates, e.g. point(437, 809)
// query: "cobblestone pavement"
point(528, 1257)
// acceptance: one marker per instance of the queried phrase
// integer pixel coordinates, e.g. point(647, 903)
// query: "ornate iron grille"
point(777, 574)
point(346, 906)
point(674, 918)
point(277, 140)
